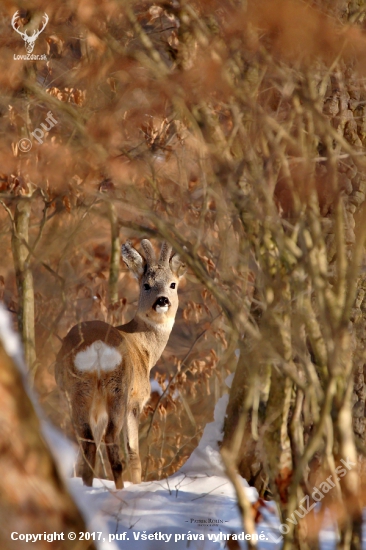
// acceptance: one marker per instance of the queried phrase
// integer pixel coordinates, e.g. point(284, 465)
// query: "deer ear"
point(134, 261)
point(177, 266)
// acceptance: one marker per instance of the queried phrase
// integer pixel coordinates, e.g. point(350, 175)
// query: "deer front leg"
point(89, 449)
point(112, 444)
point(131, 436)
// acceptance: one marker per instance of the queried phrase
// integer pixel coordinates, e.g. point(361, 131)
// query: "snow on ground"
point(197, 502)
point(195, 508)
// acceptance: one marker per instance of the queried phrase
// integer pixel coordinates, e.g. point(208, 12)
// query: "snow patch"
point(155, 387)
point(229, 379)
point(206, 458)
point(63, 451)
point(10, 339)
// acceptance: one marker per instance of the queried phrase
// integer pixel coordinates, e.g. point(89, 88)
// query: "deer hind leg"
point(131, 437)
point(114, 456)
point(89, 453)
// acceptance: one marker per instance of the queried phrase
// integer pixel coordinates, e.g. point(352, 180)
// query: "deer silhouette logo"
point(29, 40)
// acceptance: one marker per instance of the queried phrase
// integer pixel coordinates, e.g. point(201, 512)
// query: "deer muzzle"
point(162, 304)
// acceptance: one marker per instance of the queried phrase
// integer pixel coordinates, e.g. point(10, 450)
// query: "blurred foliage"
point(236, 131)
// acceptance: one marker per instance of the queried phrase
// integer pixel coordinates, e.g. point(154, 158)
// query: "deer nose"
point(162, 301)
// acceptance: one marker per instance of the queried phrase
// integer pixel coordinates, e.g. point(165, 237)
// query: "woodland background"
point(235, 130)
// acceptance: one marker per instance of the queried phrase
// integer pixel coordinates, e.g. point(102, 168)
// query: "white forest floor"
point(194, 509)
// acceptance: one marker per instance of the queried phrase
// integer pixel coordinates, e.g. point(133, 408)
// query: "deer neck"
point(149, 337)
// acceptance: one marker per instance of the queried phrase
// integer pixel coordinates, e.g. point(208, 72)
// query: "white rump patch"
point(98, 357)
point(162, 309)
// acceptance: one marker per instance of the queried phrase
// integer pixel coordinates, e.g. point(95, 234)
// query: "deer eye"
point(172, 285)
point(146, 286)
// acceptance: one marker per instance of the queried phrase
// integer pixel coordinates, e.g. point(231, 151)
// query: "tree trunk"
point(115, 255)
point(343, 104)
point(24, 279)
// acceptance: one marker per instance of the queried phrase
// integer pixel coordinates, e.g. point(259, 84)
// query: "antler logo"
point(29, 40)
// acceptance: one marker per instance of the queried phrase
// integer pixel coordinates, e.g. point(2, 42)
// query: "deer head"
point(158, 278)
point(29, 40)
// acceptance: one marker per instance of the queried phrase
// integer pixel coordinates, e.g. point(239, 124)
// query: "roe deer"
point(104, 370)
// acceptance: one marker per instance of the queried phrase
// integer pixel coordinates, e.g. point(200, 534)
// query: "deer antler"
point(13, 21)
point(149, 251)
point(165, 252)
